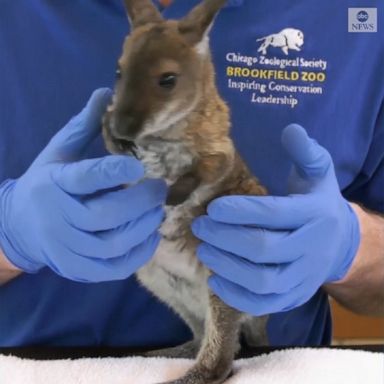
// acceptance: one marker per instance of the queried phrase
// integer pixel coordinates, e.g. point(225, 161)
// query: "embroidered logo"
point(269, 77)
point(288, 38)
point(362, 20)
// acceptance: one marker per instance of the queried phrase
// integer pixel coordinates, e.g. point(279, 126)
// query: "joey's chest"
point(175, 254)
point(165, 159)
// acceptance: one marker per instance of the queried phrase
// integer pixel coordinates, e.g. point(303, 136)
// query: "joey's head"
point(161, 73)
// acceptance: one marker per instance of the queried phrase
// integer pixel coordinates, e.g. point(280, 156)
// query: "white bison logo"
point(288, 38)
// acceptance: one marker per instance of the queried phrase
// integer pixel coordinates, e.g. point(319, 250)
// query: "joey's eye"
point(168, 80)
point(118, 73)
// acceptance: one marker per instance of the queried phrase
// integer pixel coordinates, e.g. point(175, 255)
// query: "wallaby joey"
point(167, 111)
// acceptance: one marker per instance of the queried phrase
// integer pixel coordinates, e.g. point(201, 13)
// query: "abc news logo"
point(362, 19)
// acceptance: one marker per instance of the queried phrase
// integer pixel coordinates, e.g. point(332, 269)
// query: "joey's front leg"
point(219, 346)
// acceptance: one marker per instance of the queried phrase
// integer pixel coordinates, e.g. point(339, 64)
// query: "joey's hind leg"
point(187, 350)
point(254, 330)
point(220, 343)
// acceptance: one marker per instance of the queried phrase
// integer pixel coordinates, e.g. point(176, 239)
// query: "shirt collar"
point(234, 3)
point(230, 3)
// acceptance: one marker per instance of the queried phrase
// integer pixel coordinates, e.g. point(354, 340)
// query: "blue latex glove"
point(67, 214)
point(271, 254)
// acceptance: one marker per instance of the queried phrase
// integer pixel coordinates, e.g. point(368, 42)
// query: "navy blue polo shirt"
point(316, 63)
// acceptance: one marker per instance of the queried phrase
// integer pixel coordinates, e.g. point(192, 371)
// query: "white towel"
point(296, 366)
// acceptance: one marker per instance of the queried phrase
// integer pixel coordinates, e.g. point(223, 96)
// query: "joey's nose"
point(124, 126)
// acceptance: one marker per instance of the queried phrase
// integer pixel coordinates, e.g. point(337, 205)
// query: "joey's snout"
point(120, 129)
point(124, 124)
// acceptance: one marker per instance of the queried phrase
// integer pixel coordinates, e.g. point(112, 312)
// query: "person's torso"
point(54, 53)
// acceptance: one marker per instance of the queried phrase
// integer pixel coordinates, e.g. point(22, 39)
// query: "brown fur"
point(212, 166)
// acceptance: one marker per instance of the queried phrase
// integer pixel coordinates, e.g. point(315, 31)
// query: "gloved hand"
point(271, 254)
point(68, 214)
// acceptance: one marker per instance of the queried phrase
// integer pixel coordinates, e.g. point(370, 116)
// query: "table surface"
point(55, 353)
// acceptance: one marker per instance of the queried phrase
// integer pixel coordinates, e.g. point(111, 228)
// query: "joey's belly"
point(174, 274)
point(179, 258)
point(177, 278)
point(177, 250)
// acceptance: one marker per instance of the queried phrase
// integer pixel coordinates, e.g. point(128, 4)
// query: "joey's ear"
point(196, 25)
point(141, 12)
